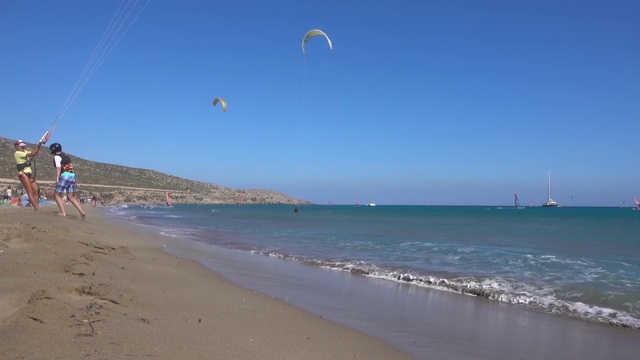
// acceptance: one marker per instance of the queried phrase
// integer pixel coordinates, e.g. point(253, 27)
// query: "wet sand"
point(426, 323)
point(103, 290)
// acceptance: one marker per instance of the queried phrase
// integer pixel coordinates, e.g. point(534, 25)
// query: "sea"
point(574, 262)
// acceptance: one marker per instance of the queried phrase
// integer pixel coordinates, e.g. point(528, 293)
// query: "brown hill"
point(114, 183)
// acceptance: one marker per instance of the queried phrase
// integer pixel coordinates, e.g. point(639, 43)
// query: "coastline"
point(425, 322)
point(99, 289)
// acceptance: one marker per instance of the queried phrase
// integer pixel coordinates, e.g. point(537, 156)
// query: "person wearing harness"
point(66, 179)
point(25, 172)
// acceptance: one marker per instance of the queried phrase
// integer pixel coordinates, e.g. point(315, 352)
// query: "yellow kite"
point(312, 33)
point(219, 100)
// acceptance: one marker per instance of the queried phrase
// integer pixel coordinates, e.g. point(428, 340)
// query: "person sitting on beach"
point(24, 200)
point(6, 197)
point(8, 194)
point(25, 173)
point(66, 179)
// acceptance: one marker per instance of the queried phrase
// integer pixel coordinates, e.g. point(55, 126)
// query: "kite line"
point(127, 13)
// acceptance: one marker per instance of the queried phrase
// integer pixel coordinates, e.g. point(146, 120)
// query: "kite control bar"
point(47, 134)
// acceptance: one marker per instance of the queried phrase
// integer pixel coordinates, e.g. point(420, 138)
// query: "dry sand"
point(96, 290)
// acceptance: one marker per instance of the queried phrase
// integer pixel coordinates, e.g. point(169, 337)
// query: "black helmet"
point(55, 147)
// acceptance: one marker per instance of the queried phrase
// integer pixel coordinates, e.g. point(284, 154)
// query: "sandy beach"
point(100, 290)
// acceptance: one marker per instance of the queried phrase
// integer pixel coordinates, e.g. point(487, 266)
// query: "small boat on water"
point(549, 202)
point(371, 204)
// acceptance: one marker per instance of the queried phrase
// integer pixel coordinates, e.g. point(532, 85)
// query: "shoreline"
point(425, 322)
point(99, 289)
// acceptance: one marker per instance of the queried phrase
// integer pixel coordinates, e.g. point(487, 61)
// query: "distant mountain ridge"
point(114, 183)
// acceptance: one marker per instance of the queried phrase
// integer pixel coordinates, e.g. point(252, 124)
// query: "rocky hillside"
point(114, 183)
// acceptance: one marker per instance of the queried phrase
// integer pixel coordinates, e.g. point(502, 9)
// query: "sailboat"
point(550, 202)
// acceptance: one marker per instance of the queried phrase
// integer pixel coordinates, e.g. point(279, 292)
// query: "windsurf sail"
point(635, 198)
point(516, 200)
point(166, 195)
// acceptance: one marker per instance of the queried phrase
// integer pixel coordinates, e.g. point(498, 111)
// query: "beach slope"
point(104, 290)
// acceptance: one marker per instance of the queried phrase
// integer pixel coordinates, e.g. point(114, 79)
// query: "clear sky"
point(419, 102)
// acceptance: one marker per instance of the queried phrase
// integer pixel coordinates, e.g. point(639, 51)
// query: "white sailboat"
point(550, 202)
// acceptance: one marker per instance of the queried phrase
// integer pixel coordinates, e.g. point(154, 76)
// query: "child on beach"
point(66, 179)
point(25, 173)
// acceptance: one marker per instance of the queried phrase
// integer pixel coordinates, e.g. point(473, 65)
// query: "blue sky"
point(419, 102)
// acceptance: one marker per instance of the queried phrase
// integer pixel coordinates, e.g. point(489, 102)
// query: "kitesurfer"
point(25, 173)
point(66, 179)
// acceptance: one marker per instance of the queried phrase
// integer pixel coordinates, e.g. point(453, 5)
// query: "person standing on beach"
point(25, 173)
point(66, 179)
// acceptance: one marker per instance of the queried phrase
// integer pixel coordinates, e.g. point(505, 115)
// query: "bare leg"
point(29, 186)
point(58, 197)
point(75, 203)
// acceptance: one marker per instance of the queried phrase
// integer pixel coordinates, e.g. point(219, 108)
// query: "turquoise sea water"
point(577, 262)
